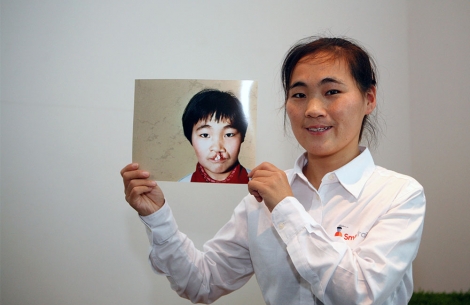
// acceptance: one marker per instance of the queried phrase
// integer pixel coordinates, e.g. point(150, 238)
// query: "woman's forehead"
point(323, 57)
point(314, 66)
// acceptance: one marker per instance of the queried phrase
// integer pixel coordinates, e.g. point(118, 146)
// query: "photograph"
point(195, 130)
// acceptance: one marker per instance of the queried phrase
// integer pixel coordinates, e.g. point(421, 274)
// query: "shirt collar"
point(352, 176)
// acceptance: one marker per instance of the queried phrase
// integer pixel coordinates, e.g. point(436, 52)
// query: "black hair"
point(213, 103)
point(361, 66)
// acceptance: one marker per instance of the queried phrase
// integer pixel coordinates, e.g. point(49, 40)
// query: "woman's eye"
point(332, 92)
point(298, 95)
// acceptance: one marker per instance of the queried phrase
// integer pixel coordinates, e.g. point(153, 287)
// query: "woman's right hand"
point(143, 195)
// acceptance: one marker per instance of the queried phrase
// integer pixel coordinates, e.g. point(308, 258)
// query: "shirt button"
point(317, 196)
point(281, 226)
point(332, 177)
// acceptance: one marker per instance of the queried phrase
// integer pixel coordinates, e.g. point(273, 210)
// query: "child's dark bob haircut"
point(212, 103)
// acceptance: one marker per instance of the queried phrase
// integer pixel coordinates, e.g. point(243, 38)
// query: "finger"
point(136, 183)
point(129, 167)
point(257, 168)
point(256, 195)
point(262, 173)
point(253, 190)
point(265, 166)
point(134, 175)
point(135, 193)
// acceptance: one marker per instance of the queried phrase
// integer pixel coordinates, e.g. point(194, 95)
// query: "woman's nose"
point(315, 108)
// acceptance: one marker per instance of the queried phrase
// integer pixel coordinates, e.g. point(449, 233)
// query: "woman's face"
point(326, 108)
point(217, 145)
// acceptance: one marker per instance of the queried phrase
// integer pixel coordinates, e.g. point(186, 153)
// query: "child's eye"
point(332, 92)
point(230, 134)
point(204, 135)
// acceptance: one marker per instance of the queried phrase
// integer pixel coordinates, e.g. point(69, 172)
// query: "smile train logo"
point(338, 230)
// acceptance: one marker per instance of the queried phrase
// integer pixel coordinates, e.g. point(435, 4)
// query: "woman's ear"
point(371, 99)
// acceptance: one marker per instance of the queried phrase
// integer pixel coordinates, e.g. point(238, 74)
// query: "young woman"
point(335, 229)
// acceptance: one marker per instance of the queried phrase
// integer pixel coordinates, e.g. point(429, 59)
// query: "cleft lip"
point(219, 157)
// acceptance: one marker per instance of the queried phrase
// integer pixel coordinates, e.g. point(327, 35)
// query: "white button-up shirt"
point(352, 241)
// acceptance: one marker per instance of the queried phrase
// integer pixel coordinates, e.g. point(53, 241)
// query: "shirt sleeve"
point(372, 271)
point(223, 266)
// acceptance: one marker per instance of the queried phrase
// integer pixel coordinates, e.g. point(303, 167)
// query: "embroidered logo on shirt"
point(347, 236)
point(338, 231)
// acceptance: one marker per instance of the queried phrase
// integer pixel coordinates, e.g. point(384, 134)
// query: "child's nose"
point(217, 144)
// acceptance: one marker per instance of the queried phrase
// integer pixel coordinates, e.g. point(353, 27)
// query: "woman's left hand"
point(270, 184)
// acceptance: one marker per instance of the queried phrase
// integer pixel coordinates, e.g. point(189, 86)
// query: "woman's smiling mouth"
point(319, 129)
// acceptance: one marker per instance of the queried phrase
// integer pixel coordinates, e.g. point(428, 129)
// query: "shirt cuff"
point(161, 225)
point(289, 218)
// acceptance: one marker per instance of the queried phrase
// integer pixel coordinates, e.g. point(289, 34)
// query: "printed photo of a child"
point(195, 130)
point(215, 125)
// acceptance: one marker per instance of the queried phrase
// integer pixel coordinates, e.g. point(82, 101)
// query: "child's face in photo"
point(217, 145)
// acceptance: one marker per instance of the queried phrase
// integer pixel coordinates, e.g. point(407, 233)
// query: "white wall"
point(440, 107)
point(67, 77)
point(0, 169)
